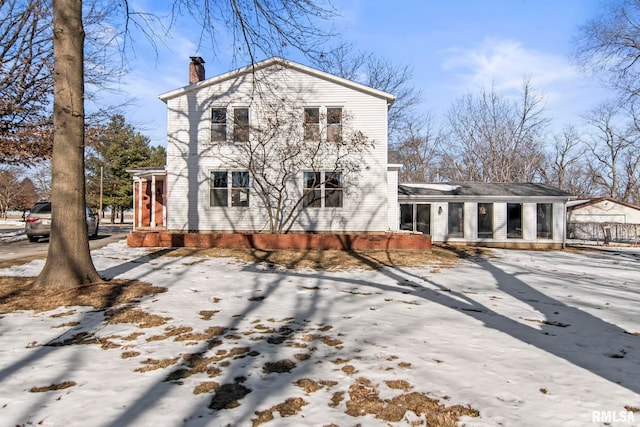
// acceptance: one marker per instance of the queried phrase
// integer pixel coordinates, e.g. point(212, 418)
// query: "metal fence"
point(597, 232)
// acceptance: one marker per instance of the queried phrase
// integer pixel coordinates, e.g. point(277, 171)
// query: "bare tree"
point(610, 43)
point(26, 61)
point(9, 188)
point(42, 179)
point(257, 25)
point(492, 138)
point(16, 190)
point(419, 150)
point(370, 70)
point(566, 165)
point(26, 76)
point(615, 151)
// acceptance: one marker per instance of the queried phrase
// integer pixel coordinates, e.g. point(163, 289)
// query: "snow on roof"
point(479, 189)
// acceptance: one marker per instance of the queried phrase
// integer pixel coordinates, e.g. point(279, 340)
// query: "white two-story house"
point(276, 147)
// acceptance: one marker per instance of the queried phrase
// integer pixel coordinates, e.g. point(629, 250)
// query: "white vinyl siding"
point(190, 156)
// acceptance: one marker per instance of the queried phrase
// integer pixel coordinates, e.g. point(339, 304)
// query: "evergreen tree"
point(116, 148)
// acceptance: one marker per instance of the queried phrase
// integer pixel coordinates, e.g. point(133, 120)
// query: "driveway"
point(14, 244)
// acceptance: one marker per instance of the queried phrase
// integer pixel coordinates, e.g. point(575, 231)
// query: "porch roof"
point(147, 172)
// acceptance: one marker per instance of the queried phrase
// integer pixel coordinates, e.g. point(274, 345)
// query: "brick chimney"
point(196, 70)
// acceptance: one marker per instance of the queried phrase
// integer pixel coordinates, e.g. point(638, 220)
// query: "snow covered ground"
point(12, 230)
point(526, 338)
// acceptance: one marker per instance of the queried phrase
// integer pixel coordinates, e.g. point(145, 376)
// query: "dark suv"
point(38, 223)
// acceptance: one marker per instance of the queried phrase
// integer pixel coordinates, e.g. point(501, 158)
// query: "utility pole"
point(101, 175)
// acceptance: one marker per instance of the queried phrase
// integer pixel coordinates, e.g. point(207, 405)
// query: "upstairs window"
point(229, 188)
point(323, 190)
point(241, 125)
point(312, 124)
point(218, 124)
point(334, 124)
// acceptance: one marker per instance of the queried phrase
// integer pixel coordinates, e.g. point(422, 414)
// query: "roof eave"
point(284, 62)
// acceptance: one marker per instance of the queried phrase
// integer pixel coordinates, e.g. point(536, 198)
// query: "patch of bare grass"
point(130, 354)
point(287, 408)
point(331, 342)
point(18, 293)
point(207, 314)
point(206, 387)
point(170, 332)
point(364, 399)
point(311, 386)
point(349, 369)
point(136, 316)
point(279, 367)
point(228, 395)
point(302, 356)
point(153, 364)
point(336, 260)
point(207, 334)
point(132, 336)
point(399, 385)
point(195, 363)
point(67, 325)
point(64, 314)
point(53, 387)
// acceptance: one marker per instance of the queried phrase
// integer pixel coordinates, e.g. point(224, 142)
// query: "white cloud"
point(505, 64)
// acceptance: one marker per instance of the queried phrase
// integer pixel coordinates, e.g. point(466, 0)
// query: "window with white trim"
point(514, 220)
point(323, 190)
point(544, 218)
point(229, 188)
point(312, 124)
point(455, 219)
point(218, 124)
point(240, 125)
point(334, 124)
point(485, 220)
point(415, 217)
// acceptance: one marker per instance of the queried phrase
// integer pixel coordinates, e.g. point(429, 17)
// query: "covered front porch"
point(149, 198)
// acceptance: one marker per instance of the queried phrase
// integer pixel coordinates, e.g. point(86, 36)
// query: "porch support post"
point(140, 203)
point(135, 217)
point(164, 200)
point(153, 201)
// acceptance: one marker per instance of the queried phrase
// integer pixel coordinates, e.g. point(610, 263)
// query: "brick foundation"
point(388, 241)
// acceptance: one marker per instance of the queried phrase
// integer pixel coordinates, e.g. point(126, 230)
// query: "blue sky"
point(453, 46)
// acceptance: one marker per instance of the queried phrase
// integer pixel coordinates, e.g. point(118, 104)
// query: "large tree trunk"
point(69, 261)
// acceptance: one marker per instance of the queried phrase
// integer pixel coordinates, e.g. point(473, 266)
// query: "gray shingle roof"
point(502, 189)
